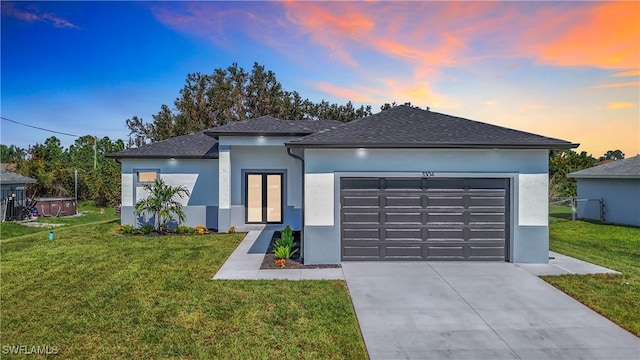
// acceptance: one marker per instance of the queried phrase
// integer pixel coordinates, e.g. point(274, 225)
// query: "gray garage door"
point(424, 219)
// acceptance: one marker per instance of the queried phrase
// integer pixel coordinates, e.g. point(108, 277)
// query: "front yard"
point(617, 247)
point(94, 293)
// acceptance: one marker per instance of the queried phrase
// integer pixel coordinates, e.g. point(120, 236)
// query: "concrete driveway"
point(475, 311)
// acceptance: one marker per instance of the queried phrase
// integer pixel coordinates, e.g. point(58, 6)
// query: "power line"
point(39, 128)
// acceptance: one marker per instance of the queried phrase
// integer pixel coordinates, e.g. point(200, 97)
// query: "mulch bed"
point(269, 261)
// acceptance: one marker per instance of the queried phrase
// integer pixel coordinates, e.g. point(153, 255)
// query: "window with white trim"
point(147, 176)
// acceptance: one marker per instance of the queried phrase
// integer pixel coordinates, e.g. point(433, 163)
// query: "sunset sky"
point(569, 70)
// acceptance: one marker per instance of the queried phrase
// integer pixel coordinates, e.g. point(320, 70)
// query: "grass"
point(90, 213)
point(93, 293)
point(616, 247)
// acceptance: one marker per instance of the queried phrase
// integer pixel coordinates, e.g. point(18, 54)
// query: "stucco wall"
point(199, 176)
point(621, 198)
point(526, 169)
point(239, 155)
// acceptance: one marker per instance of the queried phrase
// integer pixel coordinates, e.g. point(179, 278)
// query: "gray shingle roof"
point(9, 177)
point(269, 125)
point(625, 168)
point(406, 127)
point(192, 146)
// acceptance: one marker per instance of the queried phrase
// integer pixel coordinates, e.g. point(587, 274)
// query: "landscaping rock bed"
point(269, 261)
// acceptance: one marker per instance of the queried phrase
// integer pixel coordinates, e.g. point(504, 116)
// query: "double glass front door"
point(264, 198)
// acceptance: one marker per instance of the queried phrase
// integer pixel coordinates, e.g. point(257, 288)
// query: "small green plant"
point(126, 229)
point(284, 242)
point(285, 246)
point(146, 229)
point(287, 234)
point(284, 252)
point(182, 229)
point(191, 230)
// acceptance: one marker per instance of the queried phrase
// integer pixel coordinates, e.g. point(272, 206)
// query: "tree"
point(11, 154)
point(563, 163)
point(612, 155)
point(233, 94)
point(162, 203)
point(53, 167)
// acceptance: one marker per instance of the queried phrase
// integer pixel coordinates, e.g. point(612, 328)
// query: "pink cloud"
point(602, 35)
point(617, 85)
point(423, 38)
point(620, 105)
point(33, 15)
point(628, 73)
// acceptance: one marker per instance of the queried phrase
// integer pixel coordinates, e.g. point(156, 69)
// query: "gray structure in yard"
point(617, 185)
point(13, 192)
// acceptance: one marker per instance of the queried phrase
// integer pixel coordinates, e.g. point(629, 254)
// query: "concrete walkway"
point(461, 310)
point(244, 263)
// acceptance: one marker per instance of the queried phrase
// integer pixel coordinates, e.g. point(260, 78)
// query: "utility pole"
point(75, 174)
point(95, 152)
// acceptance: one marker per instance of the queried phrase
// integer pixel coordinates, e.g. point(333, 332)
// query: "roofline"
point(113, 156)
point(12, 182)
point(216, 135)
point(613, 176)
point(431, 146)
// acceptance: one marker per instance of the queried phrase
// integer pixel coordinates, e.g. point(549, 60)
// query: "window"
point(147, 176)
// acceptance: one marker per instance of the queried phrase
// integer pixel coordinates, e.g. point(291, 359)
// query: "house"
point(13, 194)
point(403, 184)
point(610, 192)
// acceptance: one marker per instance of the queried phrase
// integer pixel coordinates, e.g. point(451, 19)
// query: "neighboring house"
point(403, 184)
point(13, 186)
point(614, 185)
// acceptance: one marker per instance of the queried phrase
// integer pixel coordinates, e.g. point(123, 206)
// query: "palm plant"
point(162, 203)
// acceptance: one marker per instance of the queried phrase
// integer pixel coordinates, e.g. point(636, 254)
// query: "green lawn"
point(93, 293)
point(89, 213)
point(616, 247)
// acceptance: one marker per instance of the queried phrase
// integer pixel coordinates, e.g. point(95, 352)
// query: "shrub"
point(200, 230)
point(191, 230)
point(287, 234)
point(284, 252)
point(280, 263)
point(126, 229)
point(232, 230)
point(146, 229)
point(183, 229)
point(284, 242)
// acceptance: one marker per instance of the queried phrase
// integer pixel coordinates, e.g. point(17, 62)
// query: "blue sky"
point(562, 69)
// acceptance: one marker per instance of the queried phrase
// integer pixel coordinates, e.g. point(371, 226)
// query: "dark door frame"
point(264, 197)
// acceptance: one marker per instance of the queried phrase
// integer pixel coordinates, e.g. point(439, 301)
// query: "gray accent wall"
point(529, 242)
point(527, 171)
point(263, 157)
point(322, 247)
point(199, 176)
point(621, 198)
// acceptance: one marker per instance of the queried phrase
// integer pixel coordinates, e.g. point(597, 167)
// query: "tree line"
point(54, 166)
point(564, 162)
point(206, 101)
point(233, 94)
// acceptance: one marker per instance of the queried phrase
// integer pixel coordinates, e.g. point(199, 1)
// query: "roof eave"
point(580, 176)
point(209, 157)
point(216, 135)
point(16, 182)
point(433, 146)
